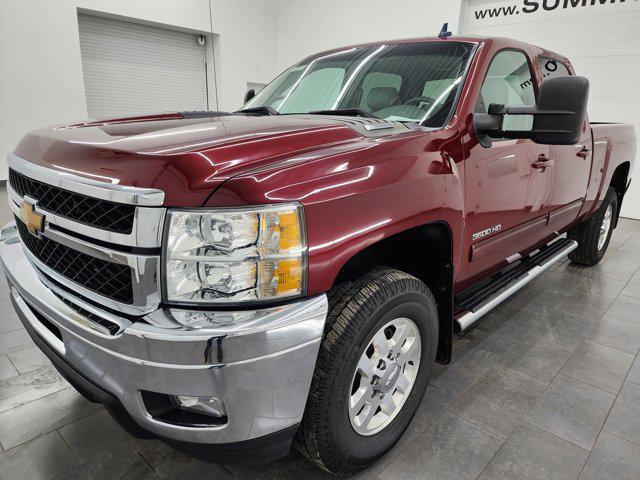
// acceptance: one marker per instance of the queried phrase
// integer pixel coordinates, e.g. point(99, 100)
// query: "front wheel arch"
point(619, 182)
point(425, 252)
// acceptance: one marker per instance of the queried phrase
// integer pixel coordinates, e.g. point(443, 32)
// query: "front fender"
point(357, 195)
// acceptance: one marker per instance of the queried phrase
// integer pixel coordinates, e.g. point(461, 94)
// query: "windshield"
point(415, 82)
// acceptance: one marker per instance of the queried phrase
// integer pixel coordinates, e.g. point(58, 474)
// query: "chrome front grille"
point(114, 217)
point(82, 252)
point(105, 278)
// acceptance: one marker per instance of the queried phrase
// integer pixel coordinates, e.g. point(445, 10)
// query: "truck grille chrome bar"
point(114, 217)
point(101, 190)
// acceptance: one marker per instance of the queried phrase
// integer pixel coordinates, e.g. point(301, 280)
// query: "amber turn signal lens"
point(289, 231)
point(289, 274)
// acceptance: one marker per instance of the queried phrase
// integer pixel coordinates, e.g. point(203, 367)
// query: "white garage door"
point(136, 69)
point(600, 37)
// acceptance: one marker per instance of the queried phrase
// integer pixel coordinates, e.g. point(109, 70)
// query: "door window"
point(508, 82)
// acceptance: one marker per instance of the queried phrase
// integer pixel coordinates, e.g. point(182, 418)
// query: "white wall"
point(246, 51)
point(601, 40)
point(310, 26)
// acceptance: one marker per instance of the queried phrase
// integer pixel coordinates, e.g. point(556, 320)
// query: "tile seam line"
point(48, 431)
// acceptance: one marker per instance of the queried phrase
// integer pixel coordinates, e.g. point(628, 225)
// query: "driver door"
point(509, 183)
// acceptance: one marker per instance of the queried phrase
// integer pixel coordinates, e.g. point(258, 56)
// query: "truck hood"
point(187, 158)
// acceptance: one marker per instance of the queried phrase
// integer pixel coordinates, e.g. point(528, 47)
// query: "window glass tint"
point(306, 96)
point(552, 68)
point(415, 82)
point(508, 82)
point(433, 88)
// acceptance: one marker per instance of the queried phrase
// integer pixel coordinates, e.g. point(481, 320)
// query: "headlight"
point(231, 255)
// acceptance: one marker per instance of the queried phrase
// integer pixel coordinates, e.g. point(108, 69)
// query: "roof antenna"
point(444, 33)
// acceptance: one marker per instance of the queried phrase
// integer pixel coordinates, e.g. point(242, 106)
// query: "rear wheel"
point(593, 235)
point(372, 371)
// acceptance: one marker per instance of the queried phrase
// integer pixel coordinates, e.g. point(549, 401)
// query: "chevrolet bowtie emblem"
point(34, 221)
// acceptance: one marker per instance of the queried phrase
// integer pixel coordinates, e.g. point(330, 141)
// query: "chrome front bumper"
point(261, 369)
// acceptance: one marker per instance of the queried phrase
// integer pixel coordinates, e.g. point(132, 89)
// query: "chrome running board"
point(473, 306)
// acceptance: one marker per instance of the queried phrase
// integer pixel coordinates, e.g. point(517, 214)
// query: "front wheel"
point(593, 235)
point(372, 371)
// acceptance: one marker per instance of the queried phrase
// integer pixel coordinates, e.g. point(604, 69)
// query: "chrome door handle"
point(583, 152)
point(542, 163)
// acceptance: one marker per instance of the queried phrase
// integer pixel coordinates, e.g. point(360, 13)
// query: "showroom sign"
point(523, 7)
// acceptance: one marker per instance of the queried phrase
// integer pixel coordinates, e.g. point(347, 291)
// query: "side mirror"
point(558, 114)
point(562, 104)
point(249, 95)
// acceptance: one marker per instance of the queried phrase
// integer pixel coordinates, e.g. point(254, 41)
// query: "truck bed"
point(618, 134)
point(614, 145)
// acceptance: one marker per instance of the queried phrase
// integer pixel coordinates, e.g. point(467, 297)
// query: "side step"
point(472, 307)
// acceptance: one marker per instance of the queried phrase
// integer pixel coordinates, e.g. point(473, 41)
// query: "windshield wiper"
point(347, 112)
point(263, 110)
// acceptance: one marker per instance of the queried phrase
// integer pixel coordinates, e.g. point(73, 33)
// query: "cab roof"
point(473, 39)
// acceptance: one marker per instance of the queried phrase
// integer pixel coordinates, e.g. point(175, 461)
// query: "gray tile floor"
point(547, 387)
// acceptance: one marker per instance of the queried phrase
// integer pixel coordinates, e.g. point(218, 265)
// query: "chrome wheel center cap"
point(389, 379)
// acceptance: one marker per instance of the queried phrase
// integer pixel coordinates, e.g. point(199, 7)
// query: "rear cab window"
point(552, 68)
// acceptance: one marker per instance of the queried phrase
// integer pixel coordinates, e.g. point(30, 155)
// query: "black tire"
point(587, 233)
point(357, 310)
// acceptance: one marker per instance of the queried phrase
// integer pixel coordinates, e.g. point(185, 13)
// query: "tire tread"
point(350, 302)
point(587, 233)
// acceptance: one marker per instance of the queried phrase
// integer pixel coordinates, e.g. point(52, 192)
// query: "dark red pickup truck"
point(234, 282)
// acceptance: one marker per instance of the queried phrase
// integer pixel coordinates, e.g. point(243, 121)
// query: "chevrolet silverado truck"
point(233, 283)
